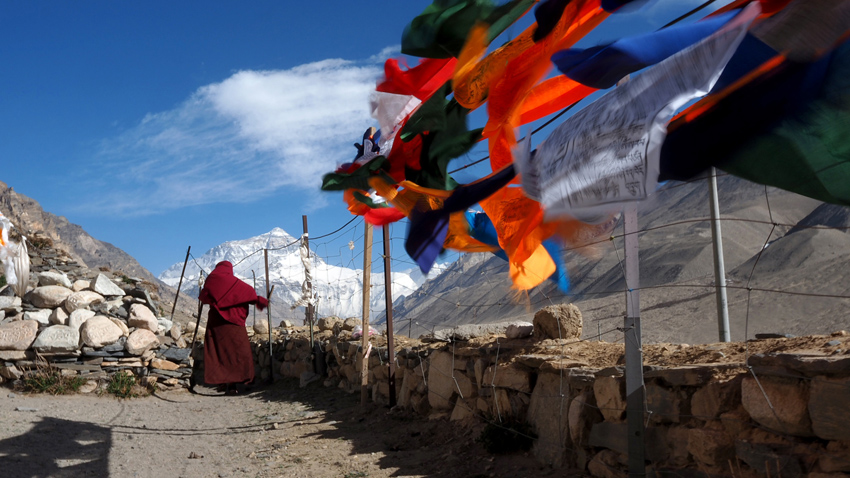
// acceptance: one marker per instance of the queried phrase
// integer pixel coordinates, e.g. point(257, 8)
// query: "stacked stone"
point(703, 419)
point(91, 328)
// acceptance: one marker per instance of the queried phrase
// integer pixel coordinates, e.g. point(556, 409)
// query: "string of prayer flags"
point(608, 153)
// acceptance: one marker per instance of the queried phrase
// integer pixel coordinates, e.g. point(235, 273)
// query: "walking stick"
point(192, 347)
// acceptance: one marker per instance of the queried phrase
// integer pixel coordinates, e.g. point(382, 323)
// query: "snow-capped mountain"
point(339, 289)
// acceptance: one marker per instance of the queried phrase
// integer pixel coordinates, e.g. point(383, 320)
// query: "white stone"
point(164, 325)
point(80, 285)
point(42, 316)
point(49, 296)
point(57, 338)
point(261, 327)
point(140, 341)
point(164, 364)
point(519, 330)
point(9, 302)
point(18, 335)
point(88, 387)
point(79, 317)
point(176, 331)
point(141, 317)
point(53, 278)
point(82, 300)
point(58, 316)
point(121, 325)
point(105, 287)
point(99, 331)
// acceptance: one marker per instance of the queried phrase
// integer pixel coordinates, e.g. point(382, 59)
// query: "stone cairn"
point(88, 324)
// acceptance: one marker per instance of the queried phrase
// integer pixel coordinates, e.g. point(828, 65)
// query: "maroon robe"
point(227, 351)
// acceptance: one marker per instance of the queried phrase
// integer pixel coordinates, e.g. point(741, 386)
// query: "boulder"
point(141, 317)
point(99, 331)
point(105, 287)
point(58, 316)
point(164, 364)
point(176, 331)
point(125, 331)
point(327, 323)
point(49, 296)
point(547, 415)
point(57, 338)
point(789, 397)
point(79, 285)
point(828, 408)
point(140, 341)
point(351, 322)
point(79, 317)
point(82, 300)
point(261, 327)
point(18, 335)
point(562, 321)
point(42, 316)
point(610, 397)
point(441, 386)
point(508, 375)
point(519, 330)
point(53, 278)
point(9, 302)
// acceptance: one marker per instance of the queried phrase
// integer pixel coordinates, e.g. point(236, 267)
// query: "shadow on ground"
point(57, 448)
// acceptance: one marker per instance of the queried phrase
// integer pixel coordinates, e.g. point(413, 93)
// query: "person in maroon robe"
point(228, 360)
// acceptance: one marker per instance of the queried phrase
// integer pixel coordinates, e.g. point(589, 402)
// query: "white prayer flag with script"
point(607, 154)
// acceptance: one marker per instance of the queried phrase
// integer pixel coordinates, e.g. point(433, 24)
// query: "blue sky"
point(159, 125)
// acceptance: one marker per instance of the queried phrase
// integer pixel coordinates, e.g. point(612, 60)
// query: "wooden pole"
point(389, 301)
point(367, 293)
point(309, 309)
point(635, 393)
point(180, 283)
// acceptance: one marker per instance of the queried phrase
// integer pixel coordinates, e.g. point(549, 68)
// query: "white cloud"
point(240, 140)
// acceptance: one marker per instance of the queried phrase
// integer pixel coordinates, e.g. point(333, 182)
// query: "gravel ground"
point(281, 430)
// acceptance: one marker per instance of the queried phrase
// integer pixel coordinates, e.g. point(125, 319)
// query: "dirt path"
point(281, 430)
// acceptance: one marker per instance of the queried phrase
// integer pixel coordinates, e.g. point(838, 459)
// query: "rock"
point(508, 375)
point(351, 322)
point(710, 447)
point(164, 325)
point(58, 316)
point(470, 331)
point(80, 285)
point(10, 372)
point(164, 364)
point(261, 327)
point(562, 321)
point(57, 338)
point(42, 316)
point(18, 335)
point(441, 386)
point(53, 278)
point(79, 317)
point(665, 405)
point(789, 398)
point(715, 398)
point(308, 377)
point(125, 331)
point(604, 464)
point(140, 341)
point(49, 296)
point(176, 331)
point(609, 393)
point(463, 410)
point(88, 387)
point(105, 287)
point(836, 458)
point(327, 323)
point(548, 423)
point(828, 408)
point(99, 331)
point(141, 317)
point(519, 330)
point(15, 355)
point(767, 461)
point(82, 300)
point(582, 414)
point(9, 303)
point(285, 323)
point(145, 296)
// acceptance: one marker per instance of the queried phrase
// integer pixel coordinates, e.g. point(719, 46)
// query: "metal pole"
point(180, 283)
point(255, 288)
point(367, 292)
point(309, 308)
point(269, 309)
point(389, 301)
point(719, 267)
point(635, 392)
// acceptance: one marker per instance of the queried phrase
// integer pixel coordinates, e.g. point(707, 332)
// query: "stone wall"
point(702, 420)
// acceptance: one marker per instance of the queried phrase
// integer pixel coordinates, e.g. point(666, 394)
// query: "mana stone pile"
point(88, 324)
